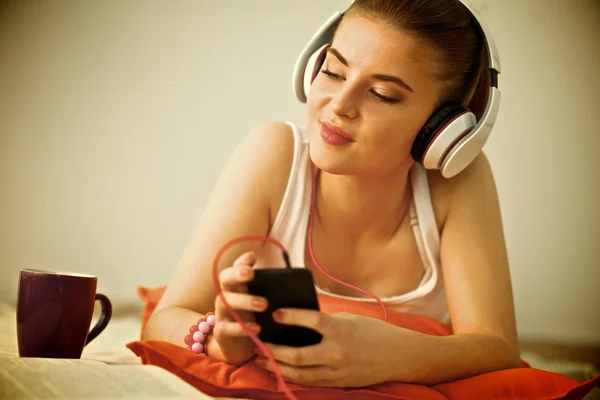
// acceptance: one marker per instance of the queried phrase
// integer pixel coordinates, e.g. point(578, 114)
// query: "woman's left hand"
point(355, 350)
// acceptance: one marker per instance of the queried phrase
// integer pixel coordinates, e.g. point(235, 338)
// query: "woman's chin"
point(333, 162)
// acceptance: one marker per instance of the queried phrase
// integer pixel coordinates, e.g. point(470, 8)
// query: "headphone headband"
point(458, 152)
point(492, 51)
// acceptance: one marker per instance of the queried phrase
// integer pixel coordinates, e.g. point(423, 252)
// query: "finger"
point(233, 278)
point(298, 356)
point(312, 319)
point(316, 375)
point(243, 304)
point(222, 313)
point(248, 258)
point(235, 329)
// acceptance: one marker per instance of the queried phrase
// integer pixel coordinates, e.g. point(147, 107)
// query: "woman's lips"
point(334, 135)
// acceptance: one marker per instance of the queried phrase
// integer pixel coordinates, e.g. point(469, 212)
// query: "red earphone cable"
point(314, 259)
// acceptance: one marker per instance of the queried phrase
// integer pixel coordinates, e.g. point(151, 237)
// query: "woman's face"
point(376, 85)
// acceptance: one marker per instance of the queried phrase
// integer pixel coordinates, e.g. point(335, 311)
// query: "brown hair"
point(448, 28)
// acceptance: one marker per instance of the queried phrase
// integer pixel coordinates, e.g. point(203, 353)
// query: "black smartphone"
point(285, 288)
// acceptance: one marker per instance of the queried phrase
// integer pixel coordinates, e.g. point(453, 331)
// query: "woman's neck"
point(362, 207)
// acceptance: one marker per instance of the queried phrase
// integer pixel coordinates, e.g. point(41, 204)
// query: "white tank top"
point(291, 223)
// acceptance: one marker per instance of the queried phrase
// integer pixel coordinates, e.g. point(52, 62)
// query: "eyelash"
point(379, 97)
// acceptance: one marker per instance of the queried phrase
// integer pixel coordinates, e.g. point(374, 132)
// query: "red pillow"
point(150, 298)
point(220, 379)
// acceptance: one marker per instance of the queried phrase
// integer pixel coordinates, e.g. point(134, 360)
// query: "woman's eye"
point(384, 99)
point(331, 74)
point(378, 96)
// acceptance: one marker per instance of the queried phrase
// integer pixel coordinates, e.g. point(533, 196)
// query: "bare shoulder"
point(272, 144)
point(271, 139)
point(473, 183)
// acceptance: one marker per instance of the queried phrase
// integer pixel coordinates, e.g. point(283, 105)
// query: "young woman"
point(423, 243)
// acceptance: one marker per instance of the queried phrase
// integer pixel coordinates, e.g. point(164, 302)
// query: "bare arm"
point(478, 287)
point(241, 204)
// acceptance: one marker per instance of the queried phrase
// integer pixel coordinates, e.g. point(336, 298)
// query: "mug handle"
point(104, 318)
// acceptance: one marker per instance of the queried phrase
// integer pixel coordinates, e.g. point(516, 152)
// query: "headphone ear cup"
point(446, 126)
point(313, 66)
point(434, 124)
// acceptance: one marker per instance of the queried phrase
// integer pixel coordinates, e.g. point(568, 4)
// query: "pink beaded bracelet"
point(199, 333)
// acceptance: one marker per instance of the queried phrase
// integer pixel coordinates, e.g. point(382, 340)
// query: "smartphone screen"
point(285, 288)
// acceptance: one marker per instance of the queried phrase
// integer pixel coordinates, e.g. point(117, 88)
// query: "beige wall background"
point(116, 118)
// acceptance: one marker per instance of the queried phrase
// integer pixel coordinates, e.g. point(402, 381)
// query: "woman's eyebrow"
point(390, 78)
point(338, 55)
point(381, 77)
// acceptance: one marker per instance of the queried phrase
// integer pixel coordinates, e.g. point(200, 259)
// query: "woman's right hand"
point(234, 344)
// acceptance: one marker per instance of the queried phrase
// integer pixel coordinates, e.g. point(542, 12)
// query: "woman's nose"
point(343, 104)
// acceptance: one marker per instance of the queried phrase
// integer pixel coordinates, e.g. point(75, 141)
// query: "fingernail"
point(278, 315)
point(259, 303)
point(254, 328)
point(245, 272)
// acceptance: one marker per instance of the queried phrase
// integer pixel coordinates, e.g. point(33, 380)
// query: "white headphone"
point(451, 138)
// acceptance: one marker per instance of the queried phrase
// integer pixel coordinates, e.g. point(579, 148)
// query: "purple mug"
point(54, 313)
